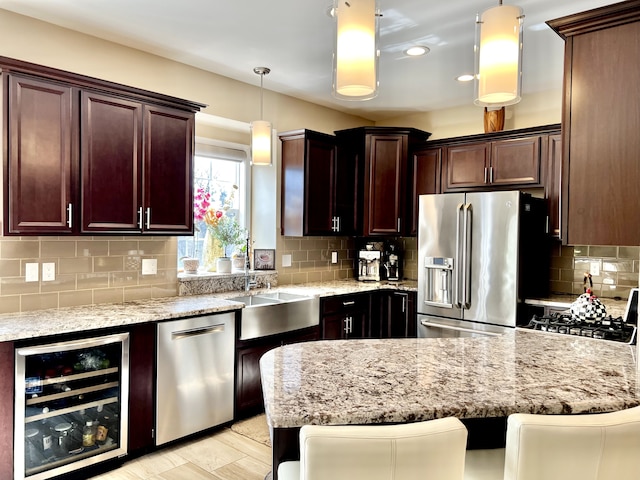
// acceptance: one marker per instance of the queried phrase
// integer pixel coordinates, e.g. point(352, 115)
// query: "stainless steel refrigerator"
point(479, 256)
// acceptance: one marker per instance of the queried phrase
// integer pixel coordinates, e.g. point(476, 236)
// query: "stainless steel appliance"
point(479, 255)
point(369, 264)
point(61, 389)
point(195, 359)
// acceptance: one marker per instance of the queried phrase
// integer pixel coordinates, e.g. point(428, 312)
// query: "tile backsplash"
point(617, 269)
point(88, 270)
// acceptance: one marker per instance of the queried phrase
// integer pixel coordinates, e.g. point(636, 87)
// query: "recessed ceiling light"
point(467, 77)
point(417, 51)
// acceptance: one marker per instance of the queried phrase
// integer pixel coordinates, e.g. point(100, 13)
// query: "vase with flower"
point(229, 234)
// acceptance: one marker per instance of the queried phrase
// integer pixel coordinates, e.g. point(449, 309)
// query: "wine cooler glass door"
point(71, 405)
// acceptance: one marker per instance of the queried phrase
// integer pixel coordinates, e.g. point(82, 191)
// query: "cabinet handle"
point(485, 174)
point(338, 224)
point(350, 302)
point(148, 218)
point(70, 215)
point(346, 324)
point(490, 174)
point(350, 322)
point(404, 303)
point(140, 218)
point(547, 226)
point(398, 224)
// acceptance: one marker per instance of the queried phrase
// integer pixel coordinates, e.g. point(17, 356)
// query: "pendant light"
point(498, 55)
point(261, 130)
point(355, 57)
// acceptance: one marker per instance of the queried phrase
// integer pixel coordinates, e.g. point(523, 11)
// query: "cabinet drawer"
point(344, 303)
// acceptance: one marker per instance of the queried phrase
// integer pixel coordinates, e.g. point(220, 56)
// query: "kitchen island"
point(408, 380)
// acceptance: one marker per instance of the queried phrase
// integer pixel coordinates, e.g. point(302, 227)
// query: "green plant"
point(228, 232)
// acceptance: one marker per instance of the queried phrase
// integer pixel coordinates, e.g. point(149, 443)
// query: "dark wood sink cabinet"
point(318, 193)
point(382, 155)
point(600, 141)
point(84, 155)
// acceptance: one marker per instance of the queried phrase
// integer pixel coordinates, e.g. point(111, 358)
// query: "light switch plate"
point(48, 272)
point(31, 272)
point(594, 269)
point(149, 266)
point(286, 260)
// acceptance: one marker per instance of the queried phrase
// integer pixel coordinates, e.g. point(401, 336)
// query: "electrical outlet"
point(48, 272)
point(149, 266)
point(31, 272)
point(286, 260)
point(594, 269)
point(334, 257)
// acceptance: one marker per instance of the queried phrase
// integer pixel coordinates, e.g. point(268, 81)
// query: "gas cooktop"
point(609, 328)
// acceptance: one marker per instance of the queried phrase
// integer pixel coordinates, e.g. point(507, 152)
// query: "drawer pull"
point(347, 303)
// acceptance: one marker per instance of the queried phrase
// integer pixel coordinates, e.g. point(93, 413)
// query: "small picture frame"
point(264, 259)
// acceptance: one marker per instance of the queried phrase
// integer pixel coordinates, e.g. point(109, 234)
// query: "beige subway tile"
point(108, 295)
point(314, 255)
point(137, 293)
point(636, 266)
point(123, 279)
point(92, 248)
point(562, 262)
point(578, 251)
point(342, 274)
point(328, 276)
point(314, 277)
point(11, 268)
point(598, 251)
point(291, 244)
point(616, 265)
point(58, 248)
point(17, 286)
point(123, 247)
point(108, 264)
point(628, 279)
point(299, 256)
point(284, 278)
point(10, 304)
point(632, 253)
point(612, 291)
point(75, 265)
point(171, 247)
point(132, 262)
point(20, 249)
point(563, 275)
point(75, 298)
point(298, 278)
point(38, 301)
point(92, 280)
point(166, 290)
point(562, 287)
point(61, 283)
point(147, 247)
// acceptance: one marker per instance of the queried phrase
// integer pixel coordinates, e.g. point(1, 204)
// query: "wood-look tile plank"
point(188, 471)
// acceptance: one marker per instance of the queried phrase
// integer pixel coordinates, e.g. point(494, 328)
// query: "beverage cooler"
point(71, 405)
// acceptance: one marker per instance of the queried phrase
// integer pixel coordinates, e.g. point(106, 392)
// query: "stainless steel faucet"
point(248, 282)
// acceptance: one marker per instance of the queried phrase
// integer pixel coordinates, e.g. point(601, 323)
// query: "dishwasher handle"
point(193, 332)
point(426, 323)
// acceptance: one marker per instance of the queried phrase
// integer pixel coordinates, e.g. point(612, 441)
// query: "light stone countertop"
point(42, 323)
point(404, 380)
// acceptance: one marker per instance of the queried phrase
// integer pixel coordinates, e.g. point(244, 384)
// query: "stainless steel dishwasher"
point(195, 358)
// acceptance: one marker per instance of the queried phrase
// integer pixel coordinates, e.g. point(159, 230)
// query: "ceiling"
point(295, 39)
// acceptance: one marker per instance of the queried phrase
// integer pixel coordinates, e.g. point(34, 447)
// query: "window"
point(219, 169)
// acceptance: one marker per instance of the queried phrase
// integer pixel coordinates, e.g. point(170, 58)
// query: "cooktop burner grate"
point(609, 328)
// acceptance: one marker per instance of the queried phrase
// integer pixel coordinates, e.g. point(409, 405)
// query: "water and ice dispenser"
point(438, 283)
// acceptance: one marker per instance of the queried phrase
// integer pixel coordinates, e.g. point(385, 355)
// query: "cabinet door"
point(515, 162)
point(141, 386)
point(334, 327)
point(168, 179)
point(319, 187)
point(386, 159)
point(111, 146)
point(7, 370)
point(426, 166)
point(40, 167)
point(249, 386)
point(552, 184)
point(466, 166)
point(401, 316)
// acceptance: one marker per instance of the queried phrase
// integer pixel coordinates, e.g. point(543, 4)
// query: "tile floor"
point(223, 455)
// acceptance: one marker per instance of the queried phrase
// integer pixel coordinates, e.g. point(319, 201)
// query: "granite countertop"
point(404, 380)
point(42, 323)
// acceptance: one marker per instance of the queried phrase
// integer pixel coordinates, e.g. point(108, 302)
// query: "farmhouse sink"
point(276, 312)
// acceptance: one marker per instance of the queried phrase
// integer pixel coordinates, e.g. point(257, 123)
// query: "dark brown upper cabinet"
point(426, 167)
point(84, 155)
point(318, 194)
point(511, 163)
point(600, 141)
point(381, 155)
point(41, 158)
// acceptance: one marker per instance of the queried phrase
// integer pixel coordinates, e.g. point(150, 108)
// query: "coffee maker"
point(392, 262)
point(369, 264)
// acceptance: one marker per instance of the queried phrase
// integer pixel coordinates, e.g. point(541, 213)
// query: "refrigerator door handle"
point(466, 257)
point(459, 248)
point(426, 323)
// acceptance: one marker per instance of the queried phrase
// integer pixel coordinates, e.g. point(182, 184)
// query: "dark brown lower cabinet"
point(398, 319)
point(6, 409)
point(142, 376)
point(346, 316)
point(249, 400)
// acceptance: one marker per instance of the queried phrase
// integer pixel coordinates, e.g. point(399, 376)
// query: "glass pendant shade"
point(499, 56)
point(355, 59)
point(260, 142)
